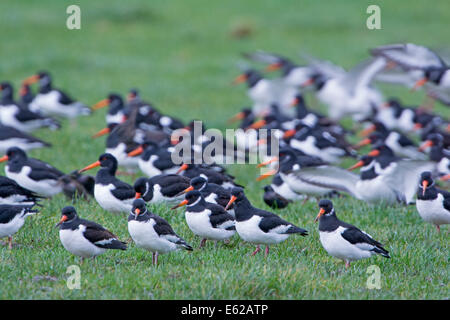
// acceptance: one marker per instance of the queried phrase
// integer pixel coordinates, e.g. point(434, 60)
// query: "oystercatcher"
point(85, 238)
point(207, 220)
point(153, 233)
point(32, 174)
point(342, 240)
point(111, 193)
point(11, 137)
point(395, 116)
point(155, 159)
point(273, 199)
point(13, 193)
point(434, 143)
point(433, 204)
point(20, 117)
point(194, 170)
point(161, 188)
point(53, 101)
point(116, 111)
point(259, 226)
point(12, 218)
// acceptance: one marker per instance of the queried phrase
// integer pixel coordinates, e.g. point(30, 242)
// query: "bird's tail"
point(381, 251)
point(295, 229)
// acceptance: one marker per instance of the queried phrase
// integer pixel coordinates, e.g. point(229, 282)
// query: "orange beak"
point(23, 91)
point(308, 82)
point(424, 186)
point(258, 124)
point(265, 163)
point(182, 168)
point(266, 175)
point(101, 133)
point(362, 143)
point(182, 203)
point(136, 152)
point(445, 178)
point(425, 145)
point(289, 133)
point(417, 126)
point(31, 80)
point(138, 195)
point(232, 199)
point(237, 117)
point(89, 167)
point(63, 218)
point(4, 158)
point(367, 131)
point(356, 165)
point(374, 153)
point(137, 212)
point(239, 79)
point(190, 188)
point(321, 212)
point(101, 104)
point(294, 102)
point(273, 66)
point(419, 83)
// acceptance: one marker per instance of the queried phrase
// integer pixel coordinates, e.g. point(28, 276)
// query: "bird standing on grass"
point(111, 193)
point(85, 238)
point(433, 204)
point(152, 232)
point(259, 226)
point(342, 240)
point(12, 218)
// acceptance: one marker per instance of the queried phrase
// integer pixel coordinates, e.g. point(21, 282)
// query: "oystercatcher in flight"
point(12, 218)
point(111, 193)
point(433, 204)
point(32, 174)
point(259, 226)
point(152, 233)
point(342, 240)
point(207, 220)
point(85, 238)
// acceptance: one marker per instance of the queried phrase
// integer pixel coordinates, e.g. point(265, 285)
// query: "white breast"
point(45, 188)
point(200, 225)
point(145, 236)
point(433, 211)
point(148, 168)
point(249, 231)
point(75, 242)
point(107, 201)
point(10, 228)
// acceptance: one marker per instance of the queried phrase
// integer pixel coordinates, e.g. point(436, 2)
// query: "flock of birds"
point(139, 136)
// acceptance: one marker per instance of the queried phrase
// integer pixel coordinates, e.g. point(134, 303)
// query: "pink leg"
point(347, 264)
point(202, 243)
point(10, 242)
point(438, 228)
point(256, 251)
point(266, 253)
point(156, 258)
point(153, 258)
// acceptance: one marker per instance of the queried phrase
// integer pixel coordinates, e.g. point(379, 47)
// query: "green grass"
point(182, 56)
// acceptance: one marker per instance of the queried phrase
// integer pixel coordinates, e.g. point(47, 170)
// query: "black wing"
point(101, 237)
point(123, 191)
point(41, 170)
point(219, 218)
point(26, 115)
point(8, 212)
point(64, 98)
point(272, 221)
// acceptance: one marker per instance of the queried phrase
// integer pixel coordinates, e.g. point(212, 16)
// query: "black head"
point(143, 189)
point(426, 181)
point(376, 137)
point(319, 80)
point(115, 99)
point(436, 139)
point(252, 77)
point(326, 209)
point(268, 189)
point(192, 197)
point(44, 78)
point(238, 193)
point(107, 160)
point(68, 214)
point(6, 88)
point(14, 153)
point(394, 103)
point(138, 208)
point(198, 183)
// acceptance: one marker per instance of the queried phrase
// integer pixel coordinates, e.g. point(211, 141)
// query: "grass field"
point(182, 55)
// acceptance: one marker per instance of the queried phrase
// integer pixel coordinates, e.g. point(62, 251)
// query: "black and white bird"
point(85, 238)
point(12, 218)
point(440, 155)
point(259, 226)
point(433, 204)
point(20, 117)
point(164, 188)
point(32, 174)
point(116, 111)
point(273, 199)
point(51, 101)
point(11, 137)
point(211, 192)
point(345, 241)
point(207, 220)
point(111, 193)
point(13, 193)
point(152, 233)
